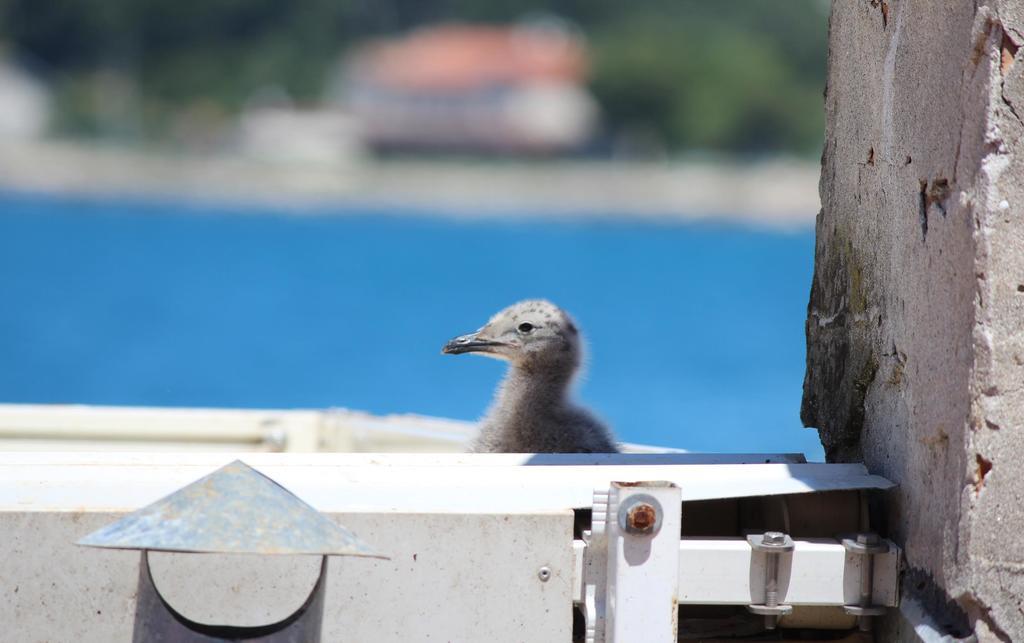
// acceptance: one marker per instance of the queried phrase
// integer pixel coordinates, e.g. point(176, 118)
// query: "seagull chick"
point(532, 412)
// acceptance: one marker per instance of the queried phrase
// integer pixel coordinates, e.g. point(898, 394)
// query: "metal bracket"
point(773, 544)
point(631, 564)
point(595, 569)
point(719, 571)
point(866, 545)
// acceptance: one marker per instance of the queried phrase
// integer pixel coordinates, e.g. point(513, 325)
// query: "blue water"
point(695, 330)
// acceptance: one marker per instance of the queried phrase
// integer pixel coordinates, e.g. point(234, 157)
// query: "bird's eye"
point(525, 327)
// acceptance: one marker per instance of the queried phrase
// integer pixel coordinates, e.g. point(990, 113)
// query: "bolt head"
point(642, 517)
point(544, 574)
point(773, 538)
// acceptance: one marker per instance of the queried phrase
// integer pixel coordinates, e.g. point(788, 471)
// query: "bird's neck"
point(534, 392)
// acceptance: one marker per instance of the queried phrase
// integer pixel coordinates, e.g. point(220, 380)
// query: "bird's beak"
point(471, 343)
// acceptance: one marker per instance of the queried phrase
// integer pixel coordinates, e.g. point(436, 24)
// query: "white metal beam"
point(725, 571)
point(79, 427)
point(471, 483)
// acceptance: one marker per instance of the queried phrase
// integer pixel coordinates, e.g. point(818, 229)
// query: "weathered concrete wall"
point(915, 327)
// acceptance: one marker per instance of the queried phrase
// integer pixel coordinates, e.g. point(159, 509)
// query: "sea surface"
point(695, 330)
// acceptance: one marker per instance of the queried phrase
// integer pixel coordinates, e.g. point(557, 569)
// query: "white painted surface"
point(467, 535)
point(472, 483)
point(725, 571)
point(643, 570)
point(99, 428)
point(58, 427)
point(595, 570)
point(818, 572)
point(463, 579)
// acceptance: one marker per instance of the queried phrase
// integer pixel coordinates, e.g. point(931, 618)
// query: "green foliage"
point(739, 76)
point(736, 76)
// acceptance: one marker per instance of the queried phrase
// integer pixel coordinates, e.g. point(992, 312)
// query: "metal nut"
point(773, 538)
point(867, 539)
point(544, 574)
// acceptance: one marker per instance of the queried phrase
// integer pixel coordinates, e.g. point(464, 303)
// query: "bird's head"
point(532, 334)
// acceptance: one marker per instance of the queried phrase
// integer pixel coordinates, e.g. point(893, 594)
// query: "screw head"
point(544, 574)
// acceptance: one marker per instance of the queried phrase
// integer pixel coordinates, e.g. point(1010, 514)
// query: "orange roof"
point(455, 57)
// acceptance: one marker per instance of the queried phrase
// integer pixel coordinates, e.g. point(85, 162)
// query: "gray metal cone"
point(234, 510)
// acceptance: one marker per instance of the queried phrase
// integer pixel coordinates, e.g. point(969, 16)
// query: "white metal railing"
point(27, 427)
point(37, 427)
point(481, 546)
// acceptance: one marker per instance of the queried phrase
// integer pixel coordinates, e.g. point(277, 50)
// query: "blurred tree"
point(738, 76)
point(741, 76)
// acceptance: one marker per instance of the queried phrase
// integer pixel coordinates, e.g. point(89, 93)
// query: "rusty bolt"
point(640, 515)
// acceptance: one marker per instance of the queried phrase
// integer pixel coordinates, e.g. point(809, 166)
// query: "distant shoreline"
point(775, 193)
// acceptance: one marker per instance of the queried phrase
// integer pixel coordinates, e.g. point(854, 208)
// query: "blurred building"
point(288, 134)
point(24, 104)
point(501, 90)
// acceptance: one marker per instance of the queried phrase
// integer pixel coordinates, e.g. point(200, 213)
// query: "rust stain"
point(984, 467)
point(1008, 51)
point(979, 44)
point(675, 618)
point(882, 6)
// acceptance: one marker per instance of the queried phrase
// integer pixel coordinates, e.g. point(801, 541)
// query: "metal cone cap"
point(234, 510)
